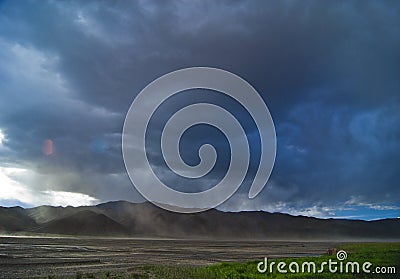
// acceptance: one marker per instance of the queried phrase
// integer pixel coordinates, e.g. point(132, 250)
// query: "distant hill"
point(14, 219)
point(123, 218)
point(85, 222)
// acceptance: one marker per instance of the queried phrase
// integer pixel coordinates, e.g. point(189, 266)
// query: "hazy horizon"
point(232, 211)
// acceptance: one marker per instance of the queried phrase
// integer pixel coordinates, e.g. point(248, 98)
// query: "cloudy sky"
point(328, 71)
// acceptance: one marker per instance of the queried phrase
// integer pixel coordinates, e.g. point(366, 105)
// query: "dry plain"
point(22, 257)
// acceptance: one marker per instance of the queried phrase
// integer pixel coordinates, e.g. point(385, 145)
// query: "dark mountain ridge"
point(123, 218)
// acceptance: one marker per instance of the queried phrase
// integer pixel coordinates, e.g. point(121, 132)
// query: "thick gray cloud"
point(327, 70)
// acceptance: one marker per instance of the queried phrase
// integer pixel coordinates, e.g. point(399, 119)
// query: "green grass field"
point(379, 254)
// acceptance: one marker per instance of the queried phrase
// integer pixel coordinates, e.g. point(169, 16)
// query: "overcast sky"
point(329, 72)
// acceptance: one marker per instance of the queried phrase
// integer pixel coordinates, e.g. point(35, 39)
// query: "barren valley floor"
point(36, 257)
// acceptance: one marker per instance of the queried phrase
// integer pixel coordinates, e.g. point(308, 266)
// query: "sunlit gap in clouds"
point(1, 138)
point(13, 188)
point(16, 188)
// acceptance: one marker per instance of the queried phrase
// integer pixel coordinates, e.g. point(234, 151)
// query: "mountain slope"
point(46, 213)
point(84, 222)
point(146, 220)
point(13, 219)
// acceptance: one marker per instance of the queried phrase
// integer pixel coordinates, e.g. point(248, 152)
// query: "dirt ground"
point(22, 257)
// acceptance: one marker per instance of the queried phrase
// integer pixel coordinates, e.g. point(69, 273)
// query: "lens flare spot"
point(48, 147)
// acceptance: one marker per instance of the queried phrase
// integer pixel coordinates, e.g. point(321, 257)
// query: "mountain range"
point(125, 219)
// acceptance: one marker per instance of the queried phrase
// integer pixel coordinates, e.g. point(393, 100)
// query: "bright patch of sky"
point(12, 189)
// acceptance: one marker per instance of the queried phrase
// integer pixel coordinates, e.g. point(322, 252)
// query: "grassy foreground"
point(379, 254)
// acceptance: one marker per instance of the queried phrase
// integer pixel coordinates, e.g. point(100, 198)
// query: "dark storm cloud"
point(328, 72)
